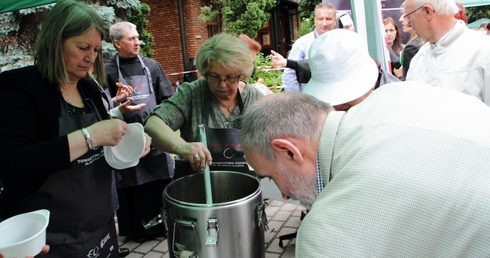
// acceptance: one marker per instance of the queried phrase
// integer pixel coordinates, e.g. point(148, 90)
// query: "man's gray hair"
point(441, 7)
point(116, 31)
point(326, 6)
point(281, 115)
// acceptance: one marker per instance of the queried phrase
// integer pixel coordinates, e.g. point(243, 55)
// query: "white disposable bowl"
point(114, 162)
point(24, 234)
point(132, 144)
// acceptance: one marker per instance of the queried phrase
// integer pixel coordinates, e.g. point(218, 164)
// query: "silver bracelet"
point(87, 138)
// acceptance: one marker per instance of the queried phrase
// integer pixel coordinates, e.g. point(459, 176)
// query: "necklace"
point(228, 108)
point(224, 106)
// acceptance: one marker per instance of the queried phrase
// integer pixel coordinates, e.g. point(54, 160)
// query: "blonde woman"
point(217, 100)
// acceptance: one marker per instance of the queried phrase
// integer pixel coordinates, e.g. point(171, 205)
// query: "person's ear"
point(428, 11)
point(287, 150)
point(117, 44)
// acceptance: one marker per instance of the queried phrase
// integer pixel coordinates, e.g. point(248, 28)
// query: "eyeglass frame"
point(407, 16)
point(229, 79)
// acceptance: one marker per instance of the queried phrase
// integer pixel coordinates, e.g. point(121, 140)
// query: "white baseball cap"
point(341, 68)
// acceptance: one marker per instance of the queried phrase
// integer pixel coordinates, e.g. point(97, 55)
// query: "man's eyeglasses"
point(229, 79)
point(407, 16)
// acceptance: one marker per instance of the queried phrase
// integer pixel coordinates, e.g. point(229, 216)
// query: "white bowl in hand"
point(24, 234)
point(116, 163)
point(129, 150)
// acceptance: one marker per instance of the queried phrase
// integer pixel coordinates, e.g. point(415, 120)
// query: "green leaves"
point(17, 36)
point(477, 12)
point(271, 77)
point(239, 16)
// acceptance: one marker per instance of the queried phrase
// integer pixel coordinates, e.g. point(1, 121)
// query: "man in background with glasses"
point(454, 56)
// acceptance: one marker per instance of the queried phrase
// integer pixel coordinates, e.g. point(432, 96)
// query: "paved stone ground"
point(284, 218)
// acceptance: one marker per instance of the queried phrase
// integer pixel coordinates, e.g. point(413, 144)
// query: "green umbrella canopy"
point(14, 5)
point(477, 23)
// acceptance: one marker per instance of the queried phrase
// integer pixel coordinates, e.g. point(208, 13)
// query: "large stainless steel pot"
point(233, 226)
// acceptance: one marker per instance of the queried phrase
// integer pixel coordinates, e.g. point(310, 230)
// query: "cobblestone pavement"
point(284, 218)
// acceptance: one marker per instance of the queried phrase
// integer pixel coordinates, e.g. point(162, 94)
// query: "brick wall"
point(165, 28)
point(196, 31)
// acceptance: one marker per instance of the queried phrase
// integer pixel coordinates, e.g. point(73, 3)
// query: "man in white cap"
point(404, 173)
point(303, 71)
point(338, 59)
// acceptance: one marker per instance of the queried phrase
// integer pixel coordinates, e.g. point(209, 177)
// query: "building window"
point(213, 29)
point(265, 38)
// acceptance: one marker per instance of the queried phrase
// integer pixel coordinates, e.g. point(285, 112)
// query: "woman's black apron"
point(223, 143)
point(79, 199)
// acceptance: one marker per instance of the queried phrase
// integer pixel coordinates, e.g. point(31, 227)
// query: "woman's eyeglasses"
point(215, 79)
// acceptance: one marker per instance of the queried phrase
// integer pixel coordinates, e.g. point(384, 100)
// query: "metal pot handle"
point(213, 230)
point(154, 221)
point(185, 223)
point(261, 217)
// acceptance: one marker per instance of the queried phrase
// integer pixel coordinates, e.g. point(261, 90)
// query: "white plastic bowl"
point(24, 234)
point(114, 162)
point(132, 144)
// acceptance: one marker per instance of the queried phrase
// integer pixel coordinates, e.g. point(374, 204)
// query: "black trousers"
point(138, 204)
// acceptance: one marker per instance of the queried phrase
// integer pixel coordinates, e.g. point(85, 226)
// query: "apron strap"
point(90, 103)
point(106, 98)
point(146, 70)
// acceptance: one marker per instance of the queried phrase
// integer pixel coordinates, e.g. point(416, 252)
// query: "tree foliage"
point(271, 78)
point(18, 35)
point(477, 12)
point(238, 16)
point(306, 8)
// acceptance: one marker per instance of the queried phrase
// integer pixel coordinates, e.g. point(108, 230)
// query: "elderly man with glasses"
point(454, 56)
